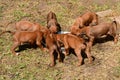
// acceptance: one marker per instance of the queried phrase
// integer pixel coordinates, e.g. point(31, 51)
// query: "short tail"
point(4, 31)
point(7, 32)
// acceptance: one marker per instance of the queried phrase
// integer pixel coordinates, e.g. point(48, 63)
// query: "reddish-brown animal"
point(51, 15)
point(27, 26)
point(21, 37)
point(99, 30)
point(89, 18)
point(76, 43)
point(52, 46)
point(52, 23)
point(60, 39)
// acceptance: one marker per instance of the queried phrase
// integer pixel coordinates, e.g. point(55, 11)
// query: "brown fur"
point(76, 43)
point(89, 18)
point(21, 37)
point(27, 26)
point(60, 39)
point(99, 30)
point(52, 23)
point(52, 46)
point(50, 16)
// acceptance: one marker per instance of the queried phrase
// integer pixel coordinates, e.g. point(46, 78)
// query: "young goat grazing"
point(97, 31)
point(89, 18)
point(25, 36)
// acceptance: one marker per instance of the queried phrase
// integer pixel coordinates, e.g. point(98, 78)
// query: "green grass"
point(97, 7)
point(32, 64)
point(18, 15)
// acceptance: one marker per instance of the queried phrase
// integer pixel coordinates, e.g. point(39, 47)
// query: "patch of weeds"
point(1, 8)
point(116, 70)
point(52, 74)
point(116, 9)
point(73, 1)
point(23, 4)
point(21, 66)
point(49, 2)
point(96, 7)
point(1, 12)
point(81, 8)
point(18, 15)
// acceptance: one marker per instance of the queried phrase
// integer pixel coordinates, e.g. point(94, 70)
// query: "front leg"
point(59, 54)
point(52, 59)
point(39, 44)
point(88, 52)
point(66, 51)
point(91, 42)
point(66, 47)
point(116, 39)
point(78, 53)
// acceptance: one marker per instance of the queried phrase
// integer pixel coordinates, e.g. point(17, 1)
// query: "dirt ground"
point(32, 64)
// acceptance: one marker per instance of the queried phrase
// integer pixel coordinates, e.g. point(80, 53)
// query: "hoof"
point(79, 64)
point(90, 62)
point(51, 65)
point(66, 54)
point(45, 50)
point(60, 60)
point(17, 54)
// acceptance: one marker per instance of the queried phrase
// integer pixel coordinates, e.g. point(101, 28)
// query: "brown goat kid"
point(21, 37)
point(89, 18)
point(97, 31)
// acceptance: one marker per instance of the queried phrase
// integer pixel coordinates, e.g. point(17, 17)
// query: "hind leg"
point(15, 45)
point(78, 53)
point(115, 36)
point(52, 59)
point(88, 52)
point(66, 51)
point(91, 42)
point(66, 48)
point(39, 45)
point(116, 39)
point(59, 54)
